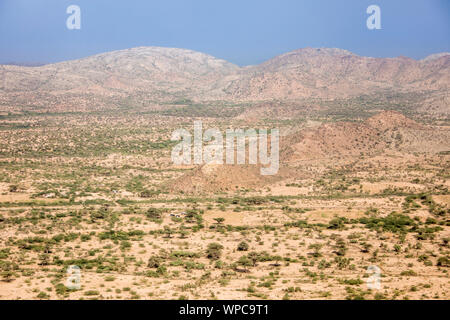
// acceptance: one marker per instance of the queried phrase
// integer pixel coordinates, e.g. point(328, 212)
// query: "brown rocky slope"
point(137, 76)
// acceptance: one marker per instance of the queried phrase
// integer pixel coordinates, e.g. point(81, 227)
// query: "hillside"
point(330, 73)
point(141, 76)
point(388, 132)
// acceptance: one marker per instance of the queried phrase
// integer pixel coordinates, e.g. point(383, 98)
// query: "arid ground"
point(87, 180)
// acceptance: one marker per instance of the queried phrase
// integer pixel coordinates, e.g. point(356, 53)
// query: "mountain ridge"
point(330, 50)
point(167, 74)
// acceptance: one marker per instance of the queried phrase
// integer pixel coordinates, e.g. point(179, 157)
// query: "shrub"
point(243, 246)
point(337, 223)
point(408, 273)
point(146, 194)
point(214, 251)
point(394, 222)
point(219, 220)
point(154, 262)
point(153, 214)
point(443, 262)
point(43, 295)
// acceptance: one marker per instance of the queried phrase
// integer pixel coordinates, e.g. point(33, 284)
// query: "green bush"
point(154, 262)
point(243, 246)
point(394, 222)
point(443, 262)
point(214, 251)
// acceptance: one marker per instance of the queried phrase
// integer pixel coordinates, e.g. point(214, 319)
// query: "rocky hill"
point(386, 131)
point(331, 73)
point(139, 76)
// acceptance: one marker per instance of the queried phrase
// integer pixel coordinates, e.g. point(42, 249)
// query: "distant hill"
point(330, 73)
point(385, 132)
point(24, 64)
point(153, 74)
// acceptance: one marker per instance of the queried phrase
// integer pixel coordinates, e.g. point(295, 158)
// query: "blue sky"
point(240, 31)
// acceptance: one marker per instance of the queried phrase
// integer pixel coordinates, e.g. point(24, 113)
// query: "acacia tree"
point(168, 232)
point(183, 232)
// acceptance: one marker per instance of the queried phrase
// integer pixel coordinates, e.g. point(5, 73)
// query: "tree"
point(154, 262)
point(168, 232)
point(245, 262)
point(219, 220)
point(214, 251)
point(112, 218)
point(183, 232)
point(8, 276)
point(243, 246)
point(254, 257)
point(277, 260)
point(153, 214)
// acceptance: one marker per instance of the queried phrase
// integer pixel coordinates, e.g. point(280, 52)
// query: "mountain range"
point(147, 75)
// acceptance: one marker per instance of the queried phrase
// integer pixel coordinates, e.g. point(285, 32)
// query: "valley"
point(87, 179)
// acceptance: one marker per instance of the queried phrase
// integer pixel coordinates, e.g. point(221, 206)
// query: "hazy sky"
point(240, 31)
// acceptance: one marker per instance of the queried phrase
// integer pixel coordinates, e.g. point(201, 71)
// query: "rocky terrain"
point(87, 180)
point(142, 76)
